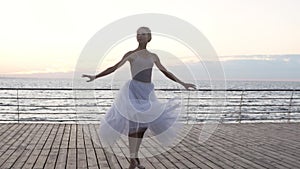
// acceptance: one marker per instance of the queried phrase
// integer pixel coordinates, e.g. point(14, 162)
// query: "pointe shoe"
point(139, 164)
point(132, 166)
point(135, 163)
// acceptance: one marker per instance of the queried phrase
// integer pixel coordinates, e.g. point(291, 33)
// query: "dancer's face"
point(143, 36)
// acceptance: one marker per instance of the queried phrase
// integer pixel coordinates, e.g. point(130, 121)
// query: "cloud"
point(277, 67)
point(246, 57)
point(251, 67)
point(243, 67)
point(286, 57)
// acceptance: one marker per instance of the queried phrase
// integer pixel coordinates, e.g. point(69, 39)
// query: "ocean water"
point(108, 83)
point(198, 106)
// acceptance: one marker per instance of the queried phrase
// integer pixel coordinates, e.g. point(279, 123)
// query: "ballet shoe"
point(139, 166)
point(135, 163)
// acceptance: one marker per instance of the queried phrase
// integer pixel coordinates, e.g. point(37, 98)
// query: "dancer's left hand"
point(91, 77)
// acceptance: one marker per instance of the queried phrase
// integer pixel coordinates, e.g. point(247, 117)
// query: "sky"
point(45, 38)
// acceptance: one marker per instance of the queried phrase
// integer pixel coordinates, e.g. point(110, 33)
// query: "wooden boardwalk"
point(256, 145)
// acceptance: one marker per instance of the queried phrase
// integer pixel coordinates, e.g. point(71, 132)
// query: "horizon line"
point(204, 79)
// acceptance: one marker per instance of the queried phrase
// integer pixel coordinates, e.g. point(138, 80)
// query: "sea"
point(73, 100)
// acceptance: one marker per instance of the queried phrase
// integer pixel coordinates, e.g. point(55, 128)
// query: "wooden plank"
point(165, 161)
point(100, 155)
point(30, 147)
point(240, 158)
point(287, 141)
point(258, 151)
point(87, 137)
point(249, 153)
point(145, 152)
point(268, 145)
point(111, 158)
point(81, 152)
point(212, 156)
point(95, 135)
point(3, 129)
point(72, 154)
point(155, 163)
point(37, 148)
point(71, 158)
point(152, 149)
point(9, 136)
point(66, 136)
point(121, 155)
point(63, 151)
point(19, 146)
point(41, 160)
point(207, 153)
point(279, 151)
point(197, 161)
point(73, 137)
point(79, 137)
point(177, 159)
point(53, 155)
point(52, 158)
point(90, 151)
point(81, 158)
point(5, 151)
point(61, 162)
point(149, 159)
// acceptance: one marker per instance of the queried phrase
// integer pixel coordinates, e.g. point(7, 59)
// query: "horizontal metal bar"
point(247, 105)
point(25, 113)
point(45, 106)
point(243, 119)
point(243, 113)
point(162, 89)
point(192, 105)
point(108, 105)
point(189, 113)
point(102, 98)
point(54, 120)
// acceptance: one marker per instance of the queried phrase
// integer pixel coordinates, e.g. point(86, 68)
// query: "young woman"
point(136, 107)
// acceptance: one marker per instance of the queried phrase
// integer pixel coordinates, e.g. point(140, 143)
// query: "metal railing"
point(68, 105)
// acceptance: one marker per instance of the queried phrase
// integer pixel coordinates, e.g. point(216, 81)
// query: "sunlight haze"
point(48, 36)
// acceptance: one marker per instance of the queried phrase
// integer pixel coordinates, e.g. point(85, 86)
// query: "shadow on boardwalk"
point(256, 145)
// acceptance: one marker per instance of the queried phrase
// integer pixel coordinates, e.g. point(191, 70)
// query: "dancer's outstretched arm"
point(110, 69)
point(171, 75)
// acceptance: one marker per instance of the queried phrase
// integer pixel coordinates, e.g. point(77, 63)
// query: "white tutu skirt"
point(137, 108)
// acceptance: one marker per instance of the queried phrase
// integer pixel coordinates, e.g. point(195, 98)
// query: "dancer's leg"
point(132, 144)
point(140, 135)
point(135, 140)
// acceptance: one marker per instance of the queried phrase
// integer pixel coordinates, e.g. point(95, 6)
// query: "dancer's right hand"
point(189, 86)
point(91, 77)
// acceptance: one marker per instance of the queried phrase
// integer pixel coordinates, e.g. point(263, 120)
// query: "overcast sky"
point(39, 37)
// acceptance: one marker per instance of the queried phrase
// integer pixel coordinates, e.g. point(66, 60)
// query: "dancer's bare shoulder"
point(155, 57)
point(128, 55)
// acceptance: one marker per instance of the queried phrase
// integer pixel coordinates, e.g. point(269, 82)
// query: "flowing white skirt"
point(136, 108)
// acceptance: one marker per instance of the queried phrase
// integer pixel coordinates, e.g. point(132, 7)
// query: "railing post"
point(188, 108)
point(290, 106)
point(240, 108)
point(18, 105)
